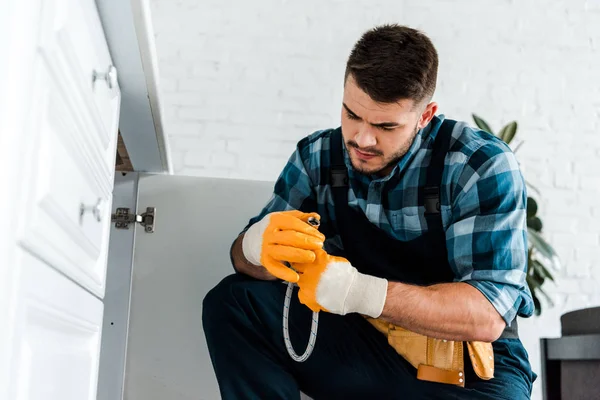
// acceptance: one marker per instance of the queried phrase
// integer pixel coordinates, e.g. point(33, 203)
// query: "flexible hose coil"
point(286, 312)
point(286, 334)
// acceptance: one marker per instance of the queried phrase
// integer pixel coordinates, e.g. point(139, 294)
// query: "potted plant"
point(541, 255)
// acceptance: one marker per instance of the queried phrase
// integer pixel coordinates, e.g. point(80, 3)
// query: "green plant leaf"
point(533, 289)
point(508, 132)
point(543, 270)
point(537, 278)
point(482, 124)
point(532, 207)
point(536, 301)
point(544, 248)
point(532, 282)
point(535, 223)
point(537, 305)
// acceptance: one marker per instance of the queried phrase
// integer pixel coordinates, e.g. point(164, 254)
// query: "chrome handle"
point(110, 76)
point(96, 210)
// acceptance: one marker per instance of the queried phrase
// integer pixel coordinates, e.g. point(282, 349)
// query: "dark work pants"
point(242, 319)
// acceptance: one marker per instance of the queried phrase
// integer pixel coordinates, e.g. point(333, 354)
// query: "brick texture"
point(242, 81)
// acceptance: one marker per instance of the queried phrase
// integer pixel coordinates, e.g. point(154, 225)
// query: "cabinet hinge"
point(123, 218)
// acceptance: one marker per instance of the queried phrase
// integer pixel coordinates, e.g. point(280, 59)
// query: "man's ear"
point(427, 114)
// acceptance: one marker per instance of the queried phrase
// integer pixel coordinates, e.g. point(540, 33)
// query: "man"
point(418, 265)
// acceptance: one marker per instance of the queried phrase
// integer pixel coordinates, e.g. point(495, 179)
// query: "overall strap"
point(338, 171)
point(435, 171)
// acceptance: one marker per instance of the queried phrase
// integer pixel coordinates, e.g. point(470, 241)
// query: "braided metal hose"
point(286, 311)
point(286, 334)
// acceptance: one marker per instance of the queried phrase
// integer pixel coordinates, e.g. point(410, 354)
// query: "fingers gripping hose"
point(286, 311)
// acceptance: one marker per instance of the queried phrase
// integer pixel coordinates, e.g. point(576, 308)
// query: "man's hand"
point(280, 237)
point(332, 284)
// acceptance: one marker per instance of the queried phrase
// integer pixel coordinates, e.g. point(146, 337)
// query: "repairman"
point(419, 263)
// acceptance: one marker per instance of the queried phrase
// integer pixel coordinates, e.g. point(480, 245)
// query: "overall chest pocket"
point(408, 220)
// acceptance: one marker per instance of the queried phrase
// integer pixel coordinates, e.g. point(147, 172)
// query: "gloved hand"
point(284, 236)
point(332, 284)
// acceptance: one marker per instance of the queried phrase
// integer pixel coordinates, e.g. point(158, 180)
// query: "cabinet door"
point(56, 343)
point(66, 191)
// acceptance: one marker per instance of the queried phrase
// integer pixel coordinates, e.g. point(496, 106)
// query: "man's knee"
point(238, 295)
point(230, 296)
point(221, 296)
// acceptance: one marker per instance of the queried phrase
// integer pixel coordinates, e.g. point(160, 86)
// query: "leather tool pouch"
point(438, 360)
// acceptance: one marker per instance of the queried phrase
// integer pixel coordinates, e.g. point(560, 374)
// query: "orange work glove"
point(332, 284)
point(283, 236)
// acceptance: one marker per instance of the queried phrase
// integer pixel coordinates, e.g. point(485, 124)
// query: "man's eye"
point(352, 116)
point(384, 128)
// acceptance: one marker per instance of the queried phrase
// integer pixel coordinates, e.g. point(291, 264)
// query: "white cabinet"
point(56, 341)
point(59, 118)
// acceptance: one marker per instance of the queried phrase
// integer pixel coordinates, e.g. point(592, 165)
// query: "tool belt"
point(438, 360)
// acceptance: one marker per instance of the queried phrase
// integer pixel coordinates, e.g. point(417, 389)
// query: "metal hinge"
point(122, 218)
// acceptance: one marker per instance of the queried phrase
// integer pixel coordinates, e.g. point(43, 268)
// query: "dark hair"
point(394, 62)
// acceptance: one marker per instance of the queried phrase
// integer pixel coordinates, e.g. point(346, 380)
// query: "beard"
point(388, 163)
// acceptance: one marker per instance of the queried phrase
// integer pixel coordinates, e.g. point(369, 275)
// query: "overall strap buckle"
point(432, 199)
point(339, 176)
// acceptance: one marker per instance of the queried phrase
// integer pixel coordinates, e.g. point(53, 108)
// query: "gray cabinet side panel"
point(117, 297)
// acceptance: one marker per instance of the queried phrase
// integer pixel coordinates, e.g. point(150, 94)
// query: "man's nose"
point(365, 138)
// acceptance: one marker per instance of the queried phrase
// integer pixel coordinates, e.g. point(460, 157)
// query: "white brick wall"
point(242, 81)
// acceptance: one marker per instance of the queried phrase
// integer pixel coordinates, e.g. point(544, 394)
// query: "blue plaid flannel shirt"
point(483, 207)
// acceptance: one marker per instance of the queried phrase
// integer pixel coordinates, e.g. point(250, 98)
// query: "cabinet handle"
point(110, 76)
point(96, 210)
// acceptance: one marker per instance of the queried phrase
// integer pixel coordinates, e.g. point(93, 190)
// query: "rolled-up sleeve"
point(487, 236)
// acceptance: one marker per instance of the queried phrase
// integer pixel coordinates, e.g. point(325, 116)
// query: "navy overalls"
point(242, 317)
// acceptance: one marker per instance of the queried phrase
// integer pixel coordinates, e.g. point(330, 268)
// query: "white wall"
point(242, 81)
